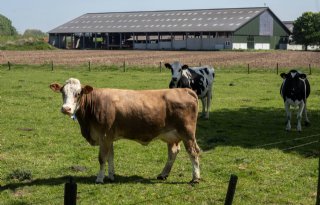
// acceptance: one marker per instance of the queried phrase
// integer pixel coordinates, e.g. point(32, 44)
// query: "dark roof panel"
point(161, 21)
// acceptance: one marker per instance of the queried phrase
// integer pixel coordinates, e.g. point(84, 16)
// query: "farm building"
point(204, 29)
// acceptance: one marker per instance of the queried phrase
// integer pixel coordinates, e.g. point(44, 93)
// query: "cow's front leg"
point(299, 116)
point(173, 150)
point(105, 152)
point(203, 101)
point(209, 98)
point(288, 113)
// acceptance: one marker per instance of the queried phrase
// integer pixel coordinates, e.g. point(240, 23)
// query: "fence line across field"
point(284, 141)
point(249, 67)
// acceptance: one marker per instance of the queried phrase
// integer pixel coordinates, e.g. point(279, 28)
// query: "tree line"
point(7, 29)
point(306, 29)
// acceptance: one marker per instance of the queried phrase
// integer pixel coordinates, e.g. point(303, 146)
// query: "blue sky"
point(46, 15)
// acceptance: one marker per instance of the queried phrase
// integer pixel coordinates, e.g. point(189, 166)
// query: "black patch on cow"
point(206, 70)
point(295, 88)
point(196, 82)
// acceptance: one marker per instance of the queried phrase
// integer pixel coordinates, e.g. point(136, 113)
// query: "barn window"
point(228, 43)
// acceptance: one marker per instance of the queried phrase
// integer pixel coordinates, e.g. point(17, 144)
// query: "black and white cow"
point(295, 90)
point(199, 79)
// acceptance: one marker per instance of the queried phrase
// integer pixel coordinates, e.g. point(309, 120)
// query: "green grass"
point(40, 147)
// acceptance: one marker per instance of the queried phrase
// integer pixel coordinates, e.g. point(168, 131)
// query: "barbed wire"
point(284, 141)
point(301, 145)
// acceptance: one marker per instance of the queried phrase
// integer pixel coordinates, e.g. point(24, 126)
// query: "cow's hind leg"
point(105, 152)
point(194, 152)
point(173, 150)
point(204, 105)
point(305, 112)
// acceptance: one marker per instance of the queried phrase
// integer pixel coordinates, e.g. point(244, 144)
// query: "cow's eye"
point(76, 95)
point(180, 70)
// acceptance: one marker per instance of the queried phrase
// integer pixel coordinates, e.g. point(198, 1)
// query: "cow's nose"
point(174, 79)
point(66, 110)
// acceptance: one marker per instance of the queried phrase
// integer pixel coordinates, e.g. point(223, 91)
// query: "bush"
point(20, 43)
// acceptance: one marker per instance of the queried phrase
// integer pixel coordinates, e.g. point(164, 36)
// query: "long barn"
point(203, 29)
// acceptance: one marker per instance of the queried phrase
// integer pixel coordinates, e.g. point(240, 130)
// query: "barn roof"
point(200, 20)
point(289, 25)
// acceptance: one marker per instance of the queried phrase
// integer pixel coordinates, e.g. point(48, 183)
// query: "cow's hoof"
point(307, 124)
point(162, 177)
point(99, 182)
point(194, 181)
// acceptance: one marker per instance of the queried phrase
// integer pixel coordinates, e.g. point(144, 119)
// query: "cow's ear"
point(283, 75)
point(168, 66)
point(56, 87)
point(185, 67)
point(87, 89)
point(302, 76)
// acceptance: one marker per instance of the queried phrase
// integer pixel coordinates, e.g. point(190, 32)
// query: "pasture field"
point(40, 147)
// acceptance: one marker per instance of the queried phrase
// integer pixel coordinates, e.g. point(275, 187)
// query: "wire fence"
point(160, 198)
point(125, 66)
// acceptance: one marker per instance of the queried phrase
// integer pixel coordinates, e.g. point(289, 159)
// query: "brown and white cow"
point(106, 115)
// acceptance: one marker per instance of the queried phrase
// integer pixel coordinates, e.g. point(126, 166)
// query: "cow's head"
point(71, 93)
point(293, 74)
point(176, 71)
point(292, 79)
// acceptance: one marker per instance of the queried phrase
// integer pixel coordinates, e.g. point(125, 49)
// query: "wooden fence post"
point(231, 190)
point(277, 68)
point(309, 69)
point(248, 68)
point(318, 190)
point(51, 65)
point(89, 63)
point(124, 66)
point(160, 66)
point(9, 65)
point(70, 192)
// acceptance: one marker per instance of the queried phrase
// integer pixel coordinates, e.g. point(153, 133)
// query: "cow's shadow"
point(258, 128)
point(90, 180)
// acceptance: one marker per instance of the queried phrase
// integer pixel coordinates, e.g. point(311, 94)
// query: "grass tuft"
point(20, 175)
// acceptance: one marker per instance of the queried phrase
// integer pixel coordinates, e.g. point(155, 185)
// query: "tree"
point(6, 28)
point(34, 33)
point(306, 29)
